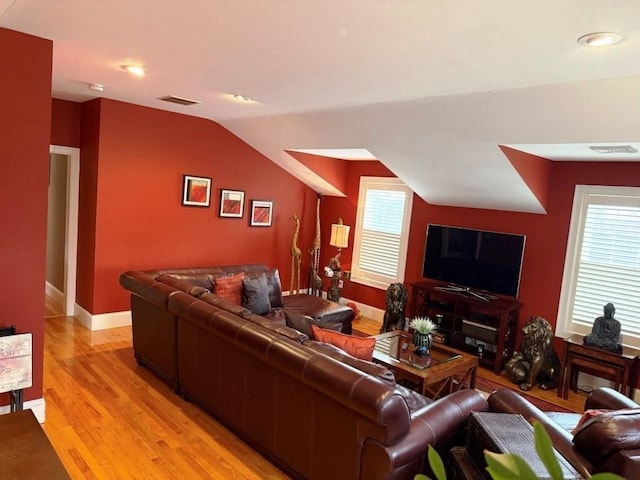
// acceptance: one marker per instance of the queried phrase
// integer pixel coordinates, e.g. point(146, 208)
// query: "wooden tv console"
point(476, 322)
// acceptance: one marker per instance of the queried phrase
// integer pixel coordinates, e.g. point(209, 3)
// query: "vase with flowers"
point(421, 339)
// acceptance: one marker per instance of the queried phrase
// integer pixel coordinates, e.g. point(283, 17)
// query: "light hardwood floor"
point(109, 418)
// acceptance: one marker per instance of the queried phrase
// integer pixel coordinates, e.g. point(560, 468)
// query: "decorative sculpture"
point(537, 361)
point(606, 331)
point(295, 257)
point(316, 279)
point(396, 300)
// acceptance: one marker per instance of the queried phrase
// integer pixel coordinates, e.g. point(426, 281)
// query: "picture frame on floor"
point(196, 191)
point(231, 203)
point(261, 213)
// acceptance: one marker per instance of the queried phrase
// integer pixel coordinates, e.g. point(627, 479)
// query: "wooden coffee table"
point(449, 369)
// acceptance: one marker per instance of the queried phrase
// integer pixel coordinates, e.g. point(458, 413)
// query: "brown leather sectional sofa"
point(609, 442)
point(314, 413)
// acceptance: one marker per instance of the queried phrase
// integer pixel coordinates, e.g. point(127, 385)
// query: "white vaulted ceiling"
point(431, 88)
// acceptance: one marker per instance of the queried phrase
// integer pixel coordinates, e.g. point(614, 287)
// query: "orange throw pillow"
point(359, 347)
point(230, 287)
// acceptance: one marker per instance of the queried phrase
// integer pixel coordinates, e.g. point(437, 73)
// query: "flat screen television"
point(475, 259)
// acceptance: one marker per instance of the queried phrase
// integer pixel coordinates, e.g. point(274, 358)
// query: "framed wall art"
point(196, 191)
point(261, 213)
point(231, 203)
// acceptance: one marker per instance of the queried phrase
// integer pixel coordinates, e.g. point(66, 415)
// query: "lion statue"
point(396, 299)
point(537, 361)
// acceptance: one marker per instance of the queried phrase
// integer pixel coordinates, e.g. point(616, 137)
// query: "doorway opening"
point(62, 227)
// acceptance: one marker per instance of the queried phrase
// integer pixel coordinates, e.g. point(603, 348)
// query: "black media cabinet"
point(483, 323)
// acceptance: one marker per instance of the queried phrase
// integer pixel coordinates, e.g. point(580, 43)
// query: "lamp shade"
point(339, 235)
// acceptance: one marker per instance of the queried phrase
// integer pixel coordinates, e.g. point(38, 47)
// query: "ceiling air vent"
point(613, 149)
point(179, 100)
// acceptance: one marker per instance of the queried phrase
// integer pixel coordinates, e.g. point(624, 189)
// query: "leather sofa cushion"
point(303, 323)
point(200, 279)
point(275, 325)
point(414, 400)
point(607, 433)
point(182, 285)
point(224, 304)
point(337, 353)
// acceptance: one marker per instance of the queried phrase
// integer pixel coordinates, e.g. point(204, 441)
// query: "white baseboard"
point(54, 293)
point(103, 320)
point(38, 406)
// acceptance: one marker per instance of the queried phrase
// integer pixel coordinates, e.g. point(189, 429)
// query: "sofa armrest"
point(508, 401)
point(606, 398)
point(439, 424)
point(608, 433)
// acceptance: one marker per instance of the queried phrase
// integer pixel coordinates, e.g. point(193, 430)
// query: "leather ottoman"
point(320, 309)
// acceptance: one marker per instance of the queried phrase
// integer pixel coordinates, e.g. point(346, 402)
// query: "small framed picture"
point(261, 213)
point(196, 191)
point(231, 203)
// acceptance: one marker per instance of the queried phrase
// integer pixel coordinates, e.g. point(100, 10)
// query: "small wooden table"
point(26, 451)
point(449, 369)
point(621, 368)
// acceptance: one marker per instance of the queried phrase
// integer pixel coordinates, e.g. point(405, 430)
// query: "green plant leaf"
point(606, 476)
point(421, 476)
point(508, 466)
point(436, 464)
point(544, 447)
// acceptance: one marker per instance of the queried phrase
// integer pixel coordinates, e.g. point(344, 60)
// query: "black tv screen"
point(474, 258)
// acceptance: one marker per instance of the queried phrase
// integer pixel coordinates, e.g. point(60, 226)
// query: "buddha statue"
point(606, 331)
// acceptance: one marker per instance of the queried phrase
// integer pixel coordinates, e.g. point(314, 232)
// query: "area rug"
point(489, 386)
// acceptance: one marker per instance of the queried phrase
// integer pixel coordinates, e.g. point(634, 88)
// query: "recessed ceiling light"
point(136, 70)
point(243, 98)
point(96, 87)
point(600, 39)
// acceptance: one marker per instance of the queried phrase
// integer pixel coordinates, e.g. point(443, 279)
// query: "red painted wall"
point(66, 120)
point(534, 170)
point(25, 96)
point(546, 234)
point(132, 162)
point(333, 170)
point(133, 159)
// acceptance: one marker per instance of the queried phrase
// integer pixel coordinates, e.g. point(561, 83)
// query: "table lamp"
point(340, 239)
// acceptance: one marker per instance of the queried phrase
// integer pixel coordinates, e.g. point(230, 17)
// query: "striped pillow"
point(230, 287)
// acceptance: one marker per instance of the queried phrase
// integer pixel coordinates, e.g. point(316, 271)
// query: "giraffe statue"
point(316, 280)
point(295, 257)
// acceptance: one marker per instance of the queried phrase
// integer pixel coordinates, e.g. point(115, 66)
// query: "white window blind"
point(384, 209)
point(603, 260)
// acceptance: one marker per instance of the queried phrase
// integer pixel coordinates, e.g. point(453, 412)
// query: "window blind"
point(381, 231)
point(608, 269)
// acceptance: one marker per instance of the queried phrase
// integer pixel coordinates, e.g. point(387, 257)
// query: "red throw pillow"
point(359, 347)
point(230, 287)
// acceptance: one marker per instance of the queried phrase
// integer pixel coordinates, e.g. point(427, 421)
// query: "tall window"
point(603, 261)
point(382, 231)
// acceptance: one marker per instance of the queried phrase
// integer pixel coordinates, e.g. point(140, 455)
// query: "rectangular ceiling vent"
point(179, 100)
point(613, 149)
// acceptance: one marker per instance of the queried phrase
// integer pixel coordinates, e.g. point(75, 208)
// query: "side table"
point(26, 451)
point(336, 283)
point(509, 433)
point(620, 368)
